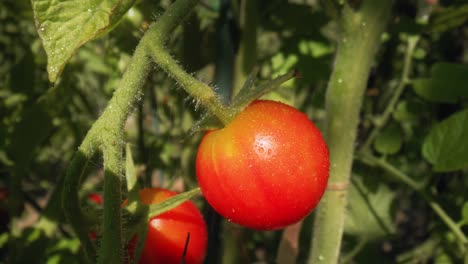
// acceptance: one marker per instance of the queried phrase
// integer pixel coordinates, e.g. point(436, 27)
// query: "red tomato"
point(265, 170)
point(167, 232)
point(96, 198)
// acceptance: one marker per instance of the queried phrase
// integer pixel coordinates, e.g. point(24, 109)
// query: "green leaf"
point(72, 245)
point(448, 83)
point(449, 18)
point(5, 160)
point(23, 145)
point(3, 239)
point(464, 213)
point(443, 258)
point(389, 140)
point(369, 211)
point(409, 110)
point(38, 118)
point(446, 146)
point(131, 175)
point(171, 203)
point(64, 26)
point(207, 122)
point(248, 94)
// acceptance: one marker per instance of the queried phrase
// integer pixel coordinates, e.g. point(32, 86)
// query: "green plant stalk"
point(382, 120)
point(109, 129)
point(466, 255)
point(106, 134)
point(357, 248)
point(158, 36)
point(448, 221)
point(70, 200)
point(247, 54)
point(360, 36)
point(372, 160)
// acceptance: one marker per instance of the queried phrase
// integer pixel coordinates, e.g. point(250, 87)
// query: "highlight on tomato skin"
point(167, 232)
point(265, 170)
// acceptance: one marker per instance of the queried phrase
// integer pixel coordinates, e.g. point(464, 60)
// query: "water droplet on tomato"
point(264, 146)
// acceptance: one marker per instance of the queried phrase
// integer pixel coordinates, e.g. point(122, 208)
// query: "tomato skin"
point(265, 170)
point(167, 232)
point(95, 198)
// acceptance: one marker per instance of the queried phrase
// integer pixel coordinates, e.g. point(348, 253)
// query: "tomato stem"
point(359, 38)
point(401, 176)
point(106, 135)
point(383, 119)
point(157, 36)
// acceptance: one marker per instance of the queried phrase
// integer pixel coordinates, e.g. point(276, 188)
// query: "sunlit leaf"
point(64, 26)
point(446, 146)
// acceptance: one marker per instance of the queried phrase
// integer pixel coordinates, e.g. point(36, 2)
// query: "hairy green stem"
point(359, 38)
point(110, 126)
point(70, 199)
point(197, 89)
point(382, 120)
point(158, 35)
point(106, 134)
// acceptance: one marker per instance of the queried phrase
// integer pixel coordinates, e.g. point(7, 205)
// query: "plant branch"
point(70, 200)
point(398, 174)
point(372, 160)
point(203, 93)
point(382, 120)
point(359, 38)
point(158, 35)
point(106, 134)
point(357, 248)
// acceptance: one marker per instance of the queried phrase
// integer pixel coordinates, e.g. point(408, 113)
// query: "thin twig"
point(382, 120)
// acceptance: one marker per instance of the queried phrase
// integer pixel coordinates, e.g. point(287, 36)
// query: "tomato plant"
point(167, 232)
point(102, 95)
point(265, 170)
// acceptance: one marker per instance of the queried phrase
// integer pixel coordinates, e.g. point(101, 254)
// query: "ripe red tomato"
point(267, 169)
point(96, 198)
point(167, 232)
